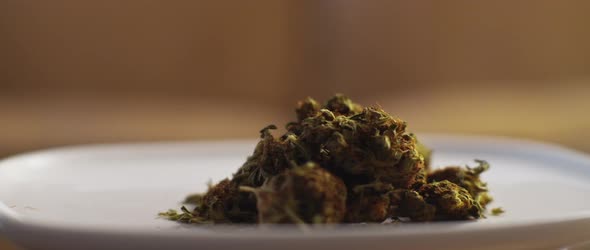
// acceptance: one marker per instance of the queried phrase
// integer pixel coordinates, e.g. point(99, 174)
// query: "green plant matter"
point(466, 177)
point(340, 163)
point(497, 211)
point(304, 194)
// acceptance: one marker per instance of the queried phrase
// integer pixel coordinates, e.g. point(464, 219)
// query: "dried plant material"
point(467, 178)
point(497, 211)
point(305, 194)
point(340, 163)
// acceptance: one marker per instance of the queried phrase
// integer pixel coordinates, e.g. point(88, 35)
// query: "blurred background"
point(74, 72)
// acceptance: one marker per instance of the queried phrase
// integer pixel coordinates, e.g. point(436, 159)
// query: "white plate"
point(107, 197)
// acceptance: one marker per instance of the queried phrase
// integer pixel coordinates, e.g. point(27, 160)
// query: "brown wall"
point(204, 48)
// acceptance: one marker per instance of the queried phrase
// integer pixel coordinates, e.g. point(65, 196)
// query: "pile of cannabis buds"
point(340, 163)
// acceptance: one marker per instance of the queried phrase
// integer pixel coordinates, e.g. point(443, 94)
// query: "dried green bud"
point(369, 145)
point(335, 157)
point(224, 202)
point(342, 105)
point(467, 177)
point(370, 202)
point(305, 194)
point(307, 108)
point(410, 204)
point(271, 157)
point(452, 202)
point(368, 208)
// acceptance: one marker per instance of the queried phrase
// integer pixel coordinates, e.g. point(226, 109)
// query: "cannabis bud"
point(341, 162)
point(303, 194)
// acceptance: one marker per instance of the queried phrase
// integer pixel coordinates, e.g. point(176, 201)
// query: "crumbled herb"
point(305, 194)
point(340, 163)
point(184, 216)
point(497, 211)
point(467, 178)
